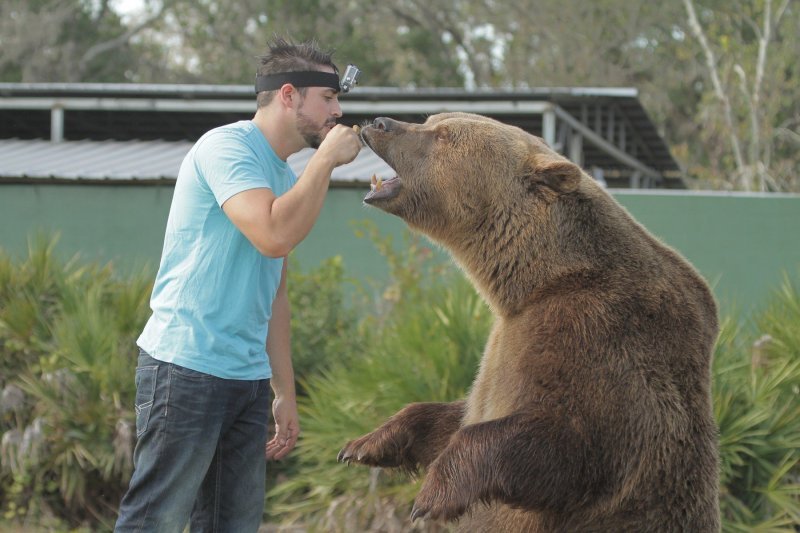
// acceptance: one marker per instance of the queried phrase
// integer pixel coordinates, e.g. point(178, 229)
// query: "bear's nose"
point(385, 124)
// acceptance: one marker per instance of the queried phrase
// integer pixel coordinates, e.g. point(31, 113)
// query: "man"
point(203, 377)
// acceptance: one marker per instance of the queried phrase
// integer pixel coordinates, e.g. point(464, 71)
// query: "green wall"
point(741, 243)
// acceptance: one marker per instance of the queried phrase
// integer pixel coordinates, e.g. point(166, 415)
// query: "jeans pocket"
point(145, 394)
point(188, 373)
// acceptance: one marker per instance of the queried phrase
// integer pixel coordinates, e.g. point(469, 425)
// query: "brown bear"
point(591, 409)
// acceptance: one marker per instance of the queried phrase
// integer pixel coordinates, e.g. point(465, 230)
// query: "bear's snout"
point(385, 124)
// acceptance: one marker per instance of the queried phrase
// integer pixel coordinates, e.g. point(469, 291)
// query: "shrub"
point(67, 354)
point(427, 347)
point(66, 336)
point(423, 340)
point(67, 359)
point(422, 353)
point(757, 405)
point(324, 328)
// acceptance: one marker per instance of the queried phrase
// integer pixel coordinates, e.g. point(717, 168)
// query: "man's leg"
point(232, 495)
point(178, 423)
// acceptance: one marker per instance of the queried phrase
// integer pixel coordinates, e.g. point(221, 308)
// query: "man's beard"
point(309, 130)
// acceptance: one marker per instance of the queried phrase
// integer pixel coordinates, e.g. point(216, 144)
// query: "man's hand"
point(341, 145)
point(287, 429)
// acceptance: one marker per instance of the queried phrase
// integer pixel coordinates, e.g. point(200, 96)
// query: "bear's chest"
point(503, 383)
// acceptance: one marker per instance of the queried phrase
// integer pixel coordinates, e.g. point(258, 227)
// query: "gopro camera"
point(350, 78)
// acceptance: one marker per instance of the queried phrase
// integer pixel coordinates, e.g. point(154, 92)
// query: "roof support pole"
point(598, 118)
point(609, 148)
point(56, 124)
point(549, 127)
point(636, 180)
point(576, 148)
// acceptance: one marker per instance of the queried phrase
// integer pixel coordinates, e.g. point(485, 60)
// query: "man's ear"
point(287, 93)
point(558, 174)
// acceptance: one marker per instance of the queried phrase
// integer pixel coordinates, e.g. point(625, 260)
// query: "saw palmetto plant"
point(757, 405)
point(67, 353)
point(66, 337)
point(428, 350)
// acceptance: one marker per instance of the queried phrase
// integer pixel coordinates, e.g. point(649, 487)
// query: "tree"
point(750, 119)
point(392, 43)
point(718, 77)
point(68, 41)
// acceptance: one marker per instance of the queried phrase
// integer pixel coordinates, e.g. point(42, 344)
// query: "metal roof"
point(606, 130)
point(137, 161)
point(186, 90)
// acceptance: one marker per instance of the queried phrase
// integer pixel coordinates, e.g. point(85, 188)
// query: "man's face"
point(317, 114)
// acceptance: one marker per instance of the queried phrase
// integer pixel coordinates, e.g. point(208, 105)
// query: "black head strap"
point(308, 78)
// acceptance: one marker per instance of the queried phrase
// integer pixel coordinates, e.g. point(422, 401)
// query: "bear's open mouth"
point(384, 190)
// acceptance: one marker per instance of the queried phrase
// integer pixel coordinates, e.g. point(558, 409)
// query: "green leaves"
point(426, 347)
point(67, 354)
point(324, 329)
point(422, 342)
point(67, 335)
point(757, 405)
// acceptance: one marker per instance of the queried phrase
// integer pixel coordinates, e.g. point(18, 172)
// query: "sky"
point(128, 7)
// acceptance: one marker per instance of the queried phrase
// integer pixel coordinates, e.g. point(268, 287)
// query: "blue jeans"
point(199, 453)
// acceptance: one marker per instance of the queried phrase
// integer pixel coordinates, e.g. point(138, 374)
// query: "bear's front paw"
point(441, 499)
point(375, 449)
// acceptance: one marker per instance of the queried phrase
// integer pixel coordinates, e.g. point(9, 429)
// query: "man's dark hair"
point(285, 56)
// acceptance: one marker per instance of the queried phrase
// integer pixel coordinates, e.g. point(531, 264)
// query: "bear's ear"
point(443, 134)
point(560, 175)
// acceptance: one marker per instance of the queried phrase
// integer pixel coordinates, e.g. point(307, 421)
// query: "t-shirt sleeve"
point(229, 166)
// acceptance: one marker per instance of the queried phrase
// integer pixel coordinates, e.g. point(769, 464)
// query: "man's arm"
point(275, 225)
point(284, 407)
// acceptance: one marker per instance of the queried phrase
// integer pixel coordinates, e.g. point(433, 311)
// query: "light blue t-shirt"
point(212, 298)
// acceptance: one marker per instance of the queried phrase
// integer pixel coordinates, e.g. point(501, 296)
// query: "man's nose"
point(337, 109)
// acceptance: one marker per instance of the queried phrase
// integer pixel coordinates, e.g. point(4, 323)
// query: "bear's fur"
point(591, 409)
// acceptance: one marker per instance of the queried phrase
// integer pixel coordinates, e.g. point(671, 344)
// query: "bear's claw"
point(373, 449)
point(417, 513)
point(350, 453)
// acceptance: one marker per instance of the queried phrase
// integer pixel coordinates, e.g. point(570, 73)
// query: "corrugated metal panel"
point(138, 160)
point(91, 160)
point(359, 170)
point(122, 111)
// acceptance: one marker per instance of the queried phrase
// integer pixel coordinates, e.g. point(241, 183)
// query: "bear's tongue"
point(383, 190)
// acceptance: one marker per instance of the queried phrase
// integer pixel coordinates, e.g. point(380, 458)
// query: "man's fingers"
point(272, 449)
point(283, 442)
point(275, 450)
point(280, 454)
point(287, 430)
